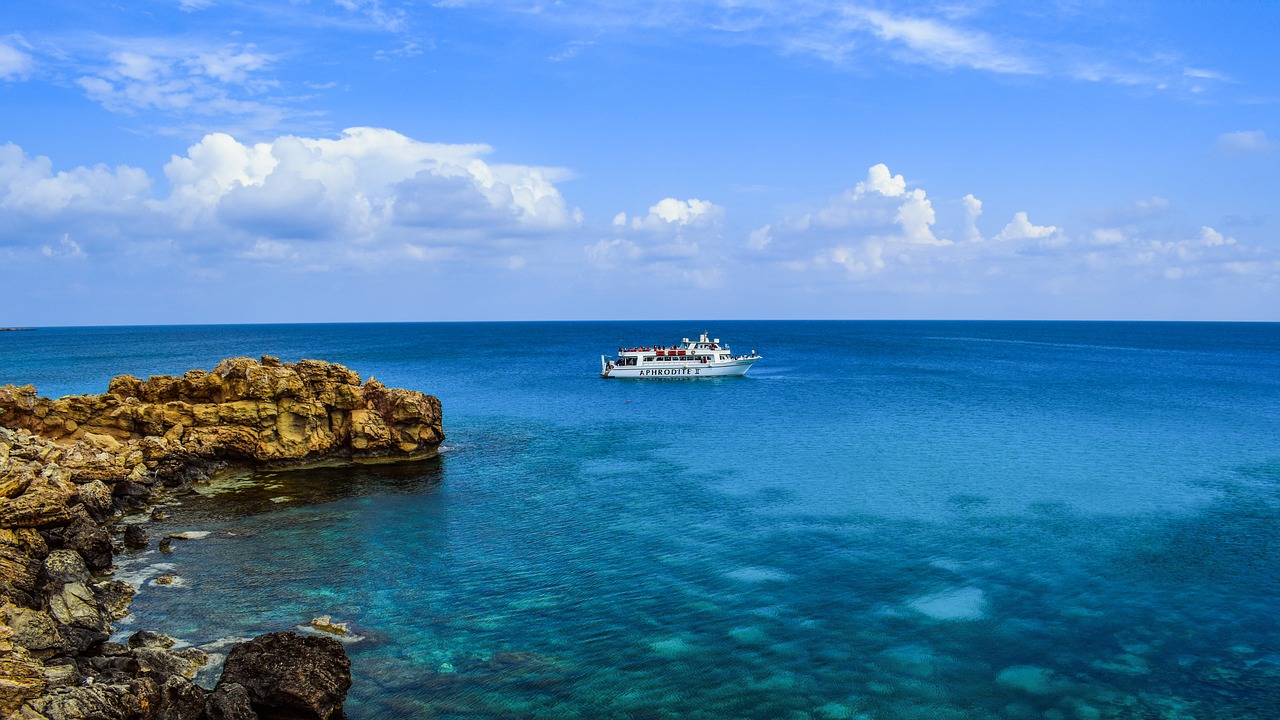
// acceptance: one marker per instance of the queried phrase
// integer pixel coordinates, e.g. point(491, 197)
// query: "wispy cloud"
point(15, 64)
point(932, 41)
point(995, 38)
point(184, 82)
point(394, 19)
point(1246, 142)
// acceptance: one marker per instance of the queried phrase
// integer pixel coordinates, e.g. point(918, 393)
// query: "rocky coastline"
point(71, 468)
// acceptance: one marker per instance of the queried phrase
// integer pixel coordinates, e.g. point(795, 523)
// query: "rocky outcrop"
point(69, 467)
point(245, 410)
point(289, 676)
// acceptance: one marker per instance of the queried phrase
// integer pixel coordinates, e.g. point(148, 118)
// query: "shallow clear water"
point(883, 520)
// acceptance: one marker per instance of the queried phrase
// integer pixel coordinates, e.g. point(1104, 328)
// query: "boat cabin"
point(703, 350)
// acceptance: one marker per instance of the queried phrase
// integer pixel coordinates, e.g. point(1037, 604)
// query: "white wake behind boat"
point(704, 357)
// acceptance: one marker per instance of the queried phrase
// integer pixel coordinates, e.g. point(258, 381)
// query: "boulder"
point(291, 676)
point(34, 630)
point(95, 496)
point(75, 605)
point(62, 567)
point(181, 699)
point(229, 702)
point(148, 639)
point(88, 538)
point(135, 537)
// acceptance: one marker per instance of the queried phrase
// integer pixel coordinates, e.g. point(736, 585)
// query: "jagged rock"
point(88, 538)
point(56, 676)
point(70, 464)
point(229, 702)
point(22, 554)
point(65, 566)
point(135, 537)
point(115, 649)
point(15, 481)
point(181, 699)
point(34, 630)
point(76, 605)
point(95, 496)
point(244, 409)
point(22, 676)
point(326, 623)
point(291, 676)
point(114, 597)
point(99, 701)
point(162, 663)
point(35, 508)
point(148, 639)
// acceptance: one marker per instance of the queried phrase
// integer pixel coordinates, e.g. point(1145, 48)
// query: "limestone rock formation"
point(70, 466)
point(242, 411)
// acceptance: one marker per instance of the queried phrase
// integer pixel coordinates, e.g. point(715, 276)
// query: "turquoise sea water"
point(882, 520)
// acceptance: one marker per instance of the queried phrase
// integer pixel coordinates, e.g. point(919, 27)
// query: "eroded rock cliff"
point(69, 466)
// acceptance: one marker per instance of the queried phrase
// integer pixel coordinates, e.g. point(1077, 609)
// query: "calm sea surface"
point(883, 520)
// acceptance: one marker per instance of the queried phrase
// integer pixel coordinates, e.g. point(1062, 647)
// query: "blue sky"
point(194, 161)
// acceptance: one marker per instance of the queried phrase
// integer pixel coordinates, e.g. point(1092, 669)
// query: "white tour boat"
point(704, 357)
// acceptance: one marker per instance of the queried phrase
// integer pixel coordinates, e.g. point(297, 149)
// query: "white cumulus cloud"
point(370, 195)
point(30, 188)
point(865, 229)
point(1020, 228)
point(676, 240)
point(365, 184)
point(880, 180)
point(972, 211)
point(670, 212)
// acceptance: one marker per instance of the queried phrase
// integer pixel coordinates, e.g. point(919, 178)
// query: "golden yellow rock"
point(243, 410)
point(21, 676)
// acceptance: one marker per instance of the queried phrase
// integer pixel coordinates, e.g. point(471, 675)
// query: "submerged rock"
point(326, 623)
point(290, 676)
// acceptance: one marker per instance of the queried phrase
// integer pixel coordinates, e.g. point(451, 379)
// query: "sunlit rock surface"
point(70, 466)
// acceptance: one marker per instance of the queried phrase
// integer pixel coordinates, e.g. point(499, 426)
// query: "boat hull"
point(673, 371)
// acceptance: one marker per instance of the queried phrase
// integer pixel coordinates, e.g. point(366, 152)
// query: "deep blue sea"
point(924, 520)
